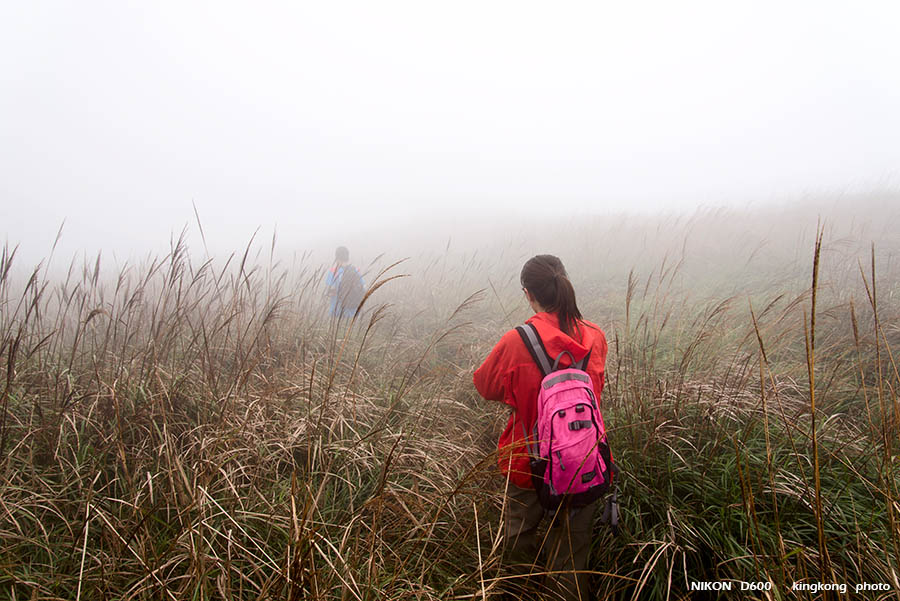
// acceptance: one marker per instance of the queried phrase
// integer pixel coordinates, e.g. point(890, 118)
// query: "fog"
point(321, 123)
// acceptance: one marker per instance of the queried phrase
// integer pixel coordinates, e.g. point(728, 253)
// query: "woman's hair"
point(342, 254)
point(546, 279)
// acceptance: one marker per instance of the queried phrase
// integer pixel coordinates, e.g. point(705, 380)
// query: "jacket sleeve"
point(598, 365)
point(492, 378)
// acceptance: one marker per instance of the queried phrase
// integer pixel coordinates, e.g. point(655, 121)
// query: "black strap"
point(582, 365)
point(535, 347)
point(538, 351)
point(559, 356)
point(611, 511)
point(573, 364)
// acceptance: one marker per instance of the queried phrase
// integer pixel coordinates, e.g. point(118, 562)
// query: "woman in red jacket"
point(510, 375)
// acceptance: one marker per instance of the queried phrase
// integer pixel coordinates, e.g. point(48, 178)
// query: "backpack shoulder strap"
point(582, 365)
point(535, 347)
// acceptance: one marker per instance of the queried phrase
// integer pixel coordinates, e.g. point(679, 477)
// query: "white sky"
point(116, 115)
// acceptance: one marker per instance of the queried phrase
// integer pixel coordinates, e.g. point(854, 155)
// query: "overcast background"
point(116, 116)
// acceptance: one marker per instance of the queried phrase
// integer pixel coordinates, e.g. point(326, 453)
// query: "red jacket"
point(509, 374)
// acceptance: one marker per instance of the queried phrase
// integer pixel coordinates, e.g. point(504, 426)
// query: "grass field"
point(190, 428)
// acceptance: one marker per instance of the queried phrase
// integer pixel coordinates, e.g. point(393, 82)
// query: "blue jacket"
point(333, 281)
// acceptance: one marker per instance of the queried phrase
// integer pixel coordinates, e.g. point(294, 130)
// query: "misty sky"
point(117, 115)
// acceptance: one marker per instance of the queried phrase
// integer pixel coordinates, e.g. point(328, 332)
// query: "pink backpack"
point(572, 461)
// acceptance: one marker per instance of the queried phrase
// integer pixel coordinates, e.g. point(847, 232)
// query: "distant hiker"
point(514, 373)
point(346, 287)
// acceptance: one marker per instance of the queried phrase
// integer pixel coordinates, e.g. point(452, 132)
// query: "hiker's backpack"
point(350, 290)
point(572, 462)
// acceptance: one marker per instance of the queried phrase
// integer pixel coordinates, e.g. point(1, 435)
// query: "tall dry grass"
point(203, 429)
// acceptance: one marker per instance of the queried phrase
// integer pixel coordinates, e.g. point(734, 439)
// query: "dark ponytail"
point(546, 279)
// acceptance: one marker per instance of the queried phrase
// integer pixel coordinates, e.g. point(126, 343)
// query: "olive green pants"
point(564, 547)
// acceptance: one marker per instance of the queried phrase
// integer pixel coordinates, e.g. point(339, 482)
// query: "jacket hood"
point(555, 340)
